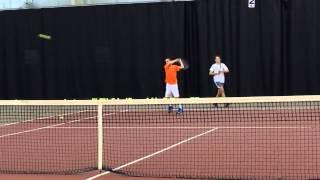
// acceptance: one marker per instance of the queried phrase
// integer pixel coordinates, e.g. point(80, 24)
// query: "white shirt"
point(216, 68)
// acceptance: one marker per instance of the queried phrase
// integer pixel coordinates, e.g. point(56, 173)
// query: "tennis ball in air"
point(44, 36)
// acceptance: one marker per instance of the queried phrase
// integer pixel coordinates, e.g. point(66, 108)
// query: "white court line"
point(41, 118)
point(219, 109)
point(49, 127)
point(200, 127)
point(284, 127)
point(107, 114)
point(37, 129)
point(153, 154)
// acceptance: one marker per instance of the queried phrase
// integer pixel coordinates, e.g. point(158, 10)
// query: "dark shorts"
point(219, 84)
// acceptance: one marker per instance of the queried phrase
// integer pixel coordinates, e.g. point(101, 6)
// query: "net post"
point(100, 138)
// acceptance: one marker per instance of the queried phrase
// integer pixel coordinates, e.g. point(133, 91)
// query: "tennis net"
point(222, 138)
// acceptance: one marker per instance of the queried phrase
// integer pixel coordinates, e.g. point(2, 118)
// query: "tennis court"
point(250, 140)
point(159, 89)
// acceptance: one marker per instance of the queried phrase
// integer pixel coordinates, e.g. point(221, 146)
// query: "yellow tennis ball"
point(43, 36)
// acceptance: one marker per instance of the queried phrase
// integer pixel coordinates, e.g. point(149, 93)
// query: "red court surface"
point(196, 144)
point(76, 177)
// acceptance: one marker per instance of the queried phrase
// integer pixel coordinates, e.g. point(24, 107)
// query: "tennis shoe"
point(170, 109)
point(180, 111)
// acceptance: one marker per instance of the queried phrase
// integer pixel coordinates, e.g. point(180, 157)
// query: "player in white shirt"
point(217, 70)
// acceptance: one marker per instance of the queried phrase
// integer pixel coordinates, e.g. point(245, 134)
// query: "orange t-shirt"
point(171, 73)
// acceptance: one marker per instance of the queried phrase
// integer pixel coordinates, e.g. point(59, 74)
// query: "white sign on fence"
point(251, 3)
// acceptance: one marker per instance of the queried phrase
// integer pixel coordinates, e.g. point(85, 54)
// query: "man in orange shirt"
point(171, 81)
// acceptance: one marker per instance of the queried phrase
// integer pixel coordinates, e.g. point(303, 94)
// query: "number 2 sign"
point(252, 3)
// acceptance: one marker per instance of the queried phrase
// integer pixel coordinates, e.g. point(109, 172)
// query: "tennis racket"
point(185, 63)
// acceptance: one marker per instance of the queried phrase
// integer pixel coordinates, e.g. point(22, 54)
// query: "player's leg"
point(218, 89)
point(169, 94)
point(217, 84)
point(218, 92)
point(223, 94)
point(175, 92)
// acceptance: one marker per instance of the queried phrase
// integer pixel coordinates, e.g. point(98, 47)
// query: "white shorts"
point(172, 90)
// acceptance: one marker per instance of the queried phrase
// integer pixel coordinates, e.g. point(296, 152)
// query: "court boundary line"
point(49, 127)
point(40, 128)
point(191, 127)
point(153, 154)
point(219, 109)
point(41, 118)
point(54, 125)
